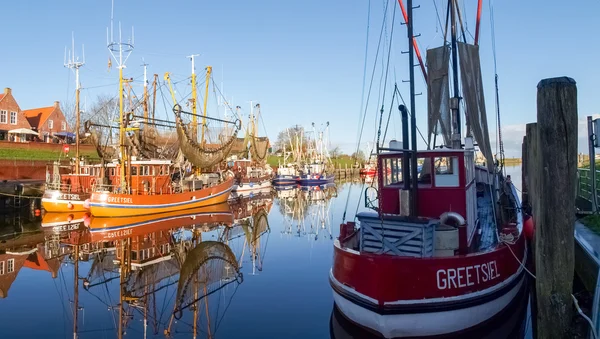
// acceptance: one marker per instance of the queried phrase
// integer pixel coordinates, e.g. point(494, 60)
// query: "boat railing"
point(57, 186)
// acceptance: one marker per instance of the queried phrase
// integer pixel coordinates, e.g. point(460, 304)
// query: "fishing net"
point(438, 94)
point(240, 148)
point(470, 71)
point(259, 148)
point(207, 268)
point(202, 156)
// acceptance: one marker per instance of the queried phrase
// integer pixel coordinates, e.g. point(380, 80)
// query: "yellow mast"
point(208, 71)
point(145, 95)
point(121, 134)
point(194, 100)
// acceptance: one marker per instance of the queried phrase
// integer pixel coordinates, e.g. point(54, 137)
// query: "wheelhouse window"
point(446, 171)
point(13, 118)
point(392, 168)
point(145, 170)
point(134, 170)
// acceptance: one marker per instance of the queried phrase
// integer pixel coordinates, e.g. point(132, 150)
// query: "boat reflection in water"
point(306, 210)
point(163, 274)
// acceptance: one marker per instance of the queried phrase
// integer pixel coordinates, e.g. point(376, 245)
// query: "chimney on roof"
point(7, 90)
point(56, 103)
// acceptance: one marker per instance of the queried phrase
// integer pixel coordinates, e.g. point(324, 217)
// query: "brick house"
point(49, 122)
point(11, 117)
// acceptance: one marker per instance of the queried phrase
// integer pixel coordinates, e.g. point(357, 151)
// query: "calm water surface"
point(281, 243)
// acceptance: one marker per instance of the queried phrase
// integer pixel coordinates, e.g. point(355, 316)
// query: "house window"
point(13, 118)
point(1, 267)
point(10, 267)
point(50, 124)
point(3, 115)
point(63, 126)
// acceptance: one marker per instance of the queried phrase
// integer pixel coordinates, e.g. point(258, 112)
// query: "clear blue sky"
point(302, 60)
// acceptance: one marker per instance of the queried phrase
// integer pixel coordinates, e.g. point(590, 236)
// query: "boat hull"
point(428, 296)
point(313, 181)
point(55, 201)
point(127, 205)
point(104, 229)
point(252, 186)
point(283, 180)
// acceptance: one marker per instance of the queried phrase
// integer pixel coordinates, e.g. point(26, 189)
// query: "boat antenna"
point(413, 122)
point(74, 64)
point(120, 51)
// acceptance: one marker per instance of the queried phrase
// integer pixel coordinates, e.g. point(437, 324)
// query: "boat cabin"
point(446, 183)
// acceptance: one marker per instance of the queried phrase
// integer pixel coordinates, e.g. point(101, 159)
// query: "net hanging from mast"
point(470, 73)
point(438, 94)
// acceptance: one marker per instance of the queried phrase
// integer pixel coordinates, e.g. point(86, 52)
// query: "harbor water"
point(263, 275)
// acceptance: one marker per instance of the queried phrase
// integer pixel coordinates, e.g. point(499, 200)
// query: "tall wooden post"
point(555, 196)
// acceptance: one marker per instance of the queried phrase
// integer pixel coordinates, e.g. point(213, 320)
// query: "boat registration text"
point(460, 277)
point(119, 200)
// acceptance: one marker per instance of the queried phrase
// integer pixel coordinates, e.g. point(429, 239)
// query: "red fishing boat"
point(442, 250)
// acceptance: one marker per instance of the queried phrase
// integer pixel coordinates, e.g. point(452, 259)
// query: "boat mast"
point(194, 100)
point(413, 120)
point(208, 71)
point(455, 101)
point(76, 290)
point(145, 93)
point(154, 96)
point(120, 51)
point(74, 63)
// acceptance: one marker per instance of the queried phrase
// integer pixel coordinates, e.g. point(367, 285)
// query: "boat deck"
point(487, 222)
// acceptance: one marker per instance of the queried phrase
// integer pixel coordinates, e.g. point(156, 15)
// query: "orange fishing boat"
point(197, 185)
point(103, 229)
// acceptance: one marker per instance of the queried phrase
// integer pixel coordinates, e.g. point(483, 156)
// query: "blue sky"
point(302, 60)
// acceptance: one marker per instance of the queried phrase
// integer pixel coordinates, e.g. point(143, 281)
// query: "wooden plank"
point(554, 206)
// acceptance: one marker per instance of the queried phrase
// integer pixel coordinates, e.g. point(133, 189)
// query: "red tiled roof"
point(1, 96)
point(43, 113)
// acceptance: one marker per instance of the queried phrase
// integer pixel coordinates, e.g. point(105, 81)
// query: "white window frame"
point(50, 124)
point(1, 267)
point(13, 115)
point(63, 126)
point(3, 117)
point(10, 265)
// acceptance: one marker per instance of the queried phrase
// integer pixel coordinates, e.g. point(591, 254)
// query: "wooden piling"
point(554, 204)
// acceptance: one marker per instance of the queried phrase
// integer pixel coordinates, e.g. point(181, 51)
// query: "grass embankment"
point(512, 161)
point(342, 161)
point(592, 222)
point(47, 155)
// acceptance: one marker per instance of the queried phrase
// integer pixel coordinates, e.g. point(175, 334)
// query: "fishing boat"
point(251, 172)
point(442, 250)
point(318, 168)
point(193, 181)
point(68, 193)
point(287, 172)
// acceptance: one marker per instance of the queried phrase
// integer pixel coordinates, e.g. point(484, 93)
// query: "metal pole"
point(405, 153)
point(591, 138)
point(455, 102)
point(413, 120)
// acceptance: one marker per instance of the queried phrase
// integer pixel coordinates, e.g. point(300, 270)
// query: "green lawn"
point(592, 222)
point(25, 154)
point(342, 161)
